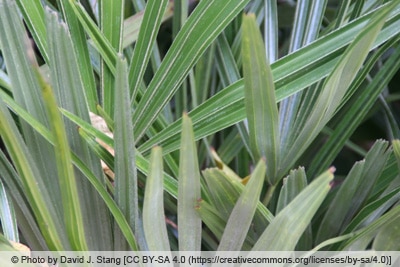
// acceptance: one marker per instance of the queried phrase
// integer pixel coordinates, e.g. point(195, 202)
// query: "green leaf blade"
point(260, 100)
point(118, 215)
point(101, 43)
point(150, 24)
point(69, 194)
point(396, 150)
point(388, 237)
point(191, 42)
point(33, 13)
point(353, 192)
point(189, 222)
point(80, 47)
point(153, 207)
point(7, 215)
point(34, 172)
point(170, 184)
point(291, 74)
point(242, 214)
point(336, 85)
point(28, 171)
point(364, 236)
point(126, 190)
point(283, 233)
point(70, 94)
point(111, 25)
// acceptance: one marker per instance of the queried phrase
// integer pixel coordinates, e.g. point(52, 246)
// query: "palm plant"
point(224, 175)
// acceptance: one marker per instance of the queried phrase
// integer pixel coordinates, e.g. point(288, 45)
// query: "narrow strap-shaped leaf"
point(315, 17)
point(306, 27)
point(154, 226)
point(170, 184)
point(126, 191)
point(181, 11)
point(291, 74)
point(338, 209)
point(283, 233)
point(69, 91)
point(242, 214)
point(353, 191)
point(189, 222)
point(28, 226)
point(342, 14)
point(336, 85)
point(373, 211)
point(363, 238)
point(225, 190)
point(226, 64)
point(27, 93)
point(211, 217)
point(388, 238)
point(139, 5)
point(111, 17)
point(299, 25)
point(102, 153)
point(7, 215)
point(33, 13)
point(82, 54)
point(260, 101)
point(151, 22)
point(358, 111)
point(396, 150)
point(69, 195)
point(133, 24)
point(25, 87)
point(105, 48)
point(27, 170)
point(293, 184)
point(115, 211)
point(111, 22)
point(118, 216)
point(200, 30)
point(271, 30)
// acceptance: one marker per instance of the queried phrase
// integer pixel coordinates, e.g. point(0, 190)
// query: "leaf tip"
point(250, 15)
point(332, 170)
point(156, 147)
point(185, 117)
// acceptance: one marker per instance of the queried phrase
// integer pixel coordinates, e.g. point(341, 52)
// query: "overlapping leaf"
point(191, 42)
point(291, 74)
point(284, 231)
